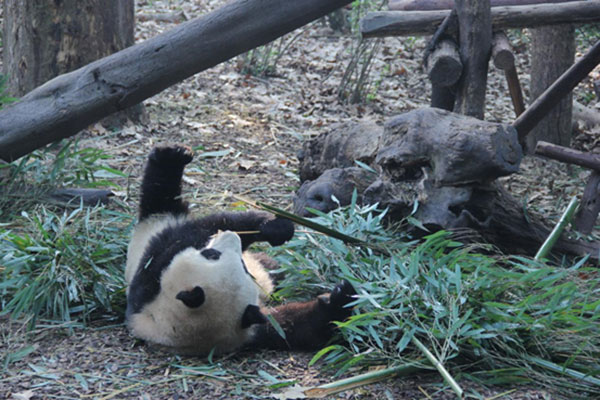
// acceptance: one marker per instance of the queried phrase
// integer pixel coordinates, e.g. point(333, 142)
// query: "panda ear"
point(252, 316)
point(192, 298)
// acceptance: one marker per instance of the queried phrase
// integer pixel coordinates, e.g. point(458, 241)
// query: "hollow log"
point(412, 23)
point(68, 103)
point(426, 5)
point(567, 155)
point(560, 88)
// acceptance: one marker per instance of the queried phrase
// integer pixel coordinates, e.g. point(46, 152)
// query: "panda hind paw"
point(337, 301)
point(172, 155)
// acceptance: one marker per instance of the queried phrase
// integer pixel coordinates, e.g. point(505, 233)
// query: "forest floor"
point(246, 130)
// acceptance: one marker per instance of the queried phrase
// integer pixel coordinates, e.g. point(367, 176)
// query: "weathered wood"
point(590, 205)
point(514, 89)
point(560, 88)
point(568, 155)
point(475, 37)
point(502, 53)
point(70, 102)
point(411, 23)
point(443, 97)
point(504, 59)
point(447, 162)
point(444, 66)
point(425, 5)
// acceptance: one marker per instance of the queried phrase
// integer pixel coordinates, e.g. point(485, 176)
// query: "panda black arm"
point(161, 185)
point(276, 231)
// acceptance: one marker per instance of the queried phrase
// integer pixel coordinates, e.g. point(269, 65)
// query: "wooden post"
point(444, 69)
point(504, 59)
point(590, 205)
point(590, 201)
point(475, 37)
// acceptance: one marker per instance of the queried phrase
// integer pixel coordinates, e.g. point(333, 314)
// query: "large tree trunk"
point(70, 102)
point(44, 39)
point(475, 36)
point(552, 53)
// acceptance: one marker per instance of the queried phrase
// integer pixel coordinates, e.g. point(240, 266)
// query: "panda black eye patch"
point(211, 254)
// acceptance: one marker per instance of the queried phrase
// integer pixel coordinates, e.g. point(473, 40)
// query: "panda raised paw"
point(172, 155)
point(277, 231)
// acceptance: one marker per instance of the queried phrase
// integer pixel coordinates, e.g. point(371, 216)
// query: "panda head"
point(207, 300)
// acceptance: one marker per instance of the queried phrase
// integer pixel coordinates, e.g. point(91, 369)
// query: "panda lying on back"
point(191, 287)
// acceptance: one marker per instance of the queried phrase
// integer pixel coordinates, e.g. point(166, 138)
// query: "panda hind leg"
point(161, 184)
point(307, 325)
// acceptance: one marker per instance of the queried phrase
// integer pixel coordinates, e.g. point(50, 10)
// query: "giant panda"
point(192, 287)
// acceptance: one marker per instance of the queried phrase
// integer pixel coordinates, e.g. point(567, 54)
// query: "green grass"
point(492, 319)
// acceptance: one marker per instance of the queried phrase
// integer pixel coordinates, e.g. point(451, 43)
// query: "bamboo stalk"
point(440, 367)
point(560, 226)
point(359, 380)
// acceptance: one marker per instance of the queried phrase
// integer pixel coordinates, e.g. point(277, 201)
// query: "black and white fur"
point(192, 287)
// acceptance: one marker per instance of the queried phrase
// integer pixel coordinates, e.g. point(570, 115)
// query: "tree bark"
point(411, 23)
point(425, 5)
point(475, 36)
point(552, 53)
point(561, 87)
point(44, 39)
point(68, 103)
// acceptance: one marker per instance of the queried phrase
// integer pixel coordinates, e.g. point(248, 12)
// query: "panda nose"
point(192, 298)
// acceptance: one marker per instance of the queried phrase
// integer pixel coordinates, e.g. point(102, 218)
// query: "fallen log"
point(427, 5)
point(411, 23)
point(68, 103)
point(560, 88)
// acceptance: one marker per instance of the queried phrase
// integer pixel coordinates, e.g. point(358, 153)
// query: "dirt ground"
point(246, 131)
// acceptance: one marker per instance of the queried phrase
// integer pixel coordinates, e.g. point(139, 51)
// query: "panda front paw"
point(336, 303)
point(277, 231)
point(171, 155)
